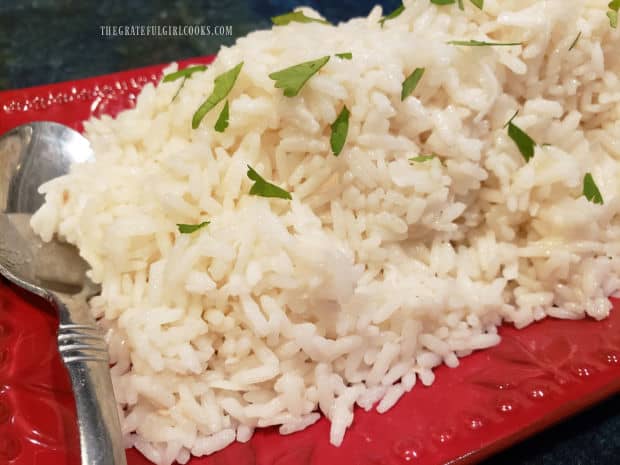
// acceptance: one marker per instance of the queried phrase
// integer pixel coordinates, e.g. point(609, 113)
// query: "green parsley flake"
point(176, 94)
point(183, 73)
point(345, 55)
point(221, 88)
point(612, 14)
point(572, 46)
point(340, 128)
point(295, 17)
point(422, 158)
point(190, 228)
point(590, 190)
point(263, 188)
point(222, 121)
point(524, 142)
point(478, 3)
point(480, 43)
point(293, 78)
point(411, 82)
point(393, 14)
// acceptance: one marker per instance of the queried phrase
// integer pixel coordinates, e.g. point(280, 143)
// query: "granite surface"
point(49, 41)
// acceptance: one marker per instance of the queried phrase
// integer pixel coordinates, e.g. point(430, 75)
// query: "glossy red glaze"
point(496, 397)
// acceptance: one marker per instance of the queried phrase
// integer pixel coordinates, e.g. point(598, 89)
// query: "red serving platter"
point(532, 379)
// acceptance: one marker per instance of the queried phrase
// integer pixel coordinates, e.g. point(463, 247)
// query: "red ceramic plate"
point(496, 397)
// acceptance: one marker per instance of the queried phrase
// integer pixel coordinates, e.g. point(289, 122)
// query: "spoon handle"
point(84, 352)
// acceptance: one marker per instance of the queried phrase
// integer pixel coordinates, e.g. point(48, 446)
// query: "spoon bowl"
point(31, 155)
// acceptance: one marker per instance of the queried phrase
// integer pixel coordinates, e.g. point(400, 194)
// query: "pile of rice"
point(378, 269)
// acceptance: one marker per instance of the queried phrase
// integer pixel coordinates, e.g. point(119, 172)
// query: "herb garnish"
point(478, 3)
point(183, 73)
point(340, 128)
point(572, 46)
point(223, 84)
point(345, 55)
point(480, 43)
point(190, 228)
point(263, 188)
point(222, 121)
point(393, 14)
point(410, 83)
point(422, 158)
point(590, 190)
point(295, 17)
point(293, 78)
point(612, 14)
point(176, 94)
point(525, 143)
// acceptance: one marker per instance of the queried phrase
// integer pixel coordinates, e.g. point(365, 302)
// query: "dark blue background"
point(55, 40)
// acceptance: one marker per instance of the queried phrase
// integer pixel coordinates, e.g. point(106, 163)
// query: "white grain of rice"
point(392, 395)
point(208, 445)
point(301, 424)
point(408, 381)
point(244, 433)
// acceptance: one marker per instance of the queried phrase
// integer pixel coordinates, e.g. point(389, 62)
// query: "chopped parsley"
point(393, 14)
point(478, 3)
point(590, 190)
point(222, 87)
point(340, 128)
point(293, 78)
point(183, 73)
point(422, 158)
point(222, 121)
point(572, 46)
point(481, 43)
point(176, 94)
point(410, 83)
point(345, 55)
point(612, 14)
point(263, 188)
point(190, 228)
point(524, 142)
point(295, 17)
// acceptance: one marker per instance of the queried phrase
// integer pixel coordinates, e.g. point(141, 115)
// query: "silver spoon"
point(29, 156)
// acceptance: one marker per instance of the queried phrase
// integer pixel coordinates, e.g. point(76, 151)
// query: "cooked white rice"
point(379, 269)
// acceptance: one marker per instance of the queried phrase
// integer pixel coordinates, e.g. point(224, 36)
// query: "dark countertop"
point(34, 50)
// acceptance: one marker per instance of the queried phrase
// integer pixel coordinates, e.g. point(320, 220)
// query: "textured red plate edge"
point(562, 413)
point(73, 102)
point(552, 418)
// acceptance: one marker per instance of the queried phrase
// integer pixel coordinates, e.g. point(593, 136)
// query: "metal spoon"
point(30, 155)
